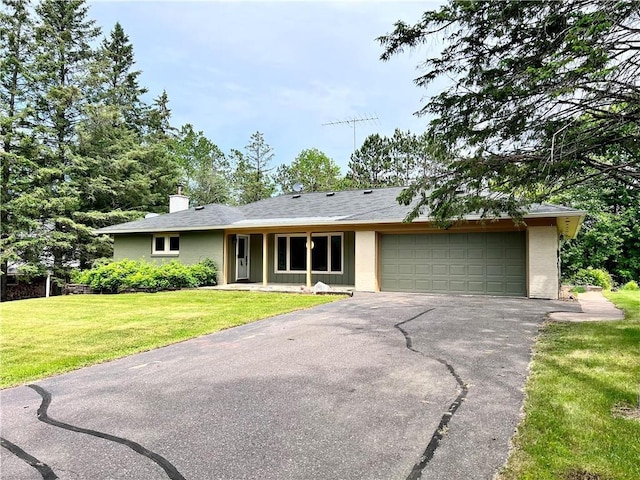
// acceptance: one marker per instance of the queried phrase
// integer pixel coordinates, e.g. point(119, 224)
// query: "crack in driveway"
point(43, 468)
point(427, 455)
point(169, 469)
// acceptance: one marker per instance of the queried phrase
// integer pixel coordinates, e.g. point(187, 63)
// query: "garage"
point(464, 263)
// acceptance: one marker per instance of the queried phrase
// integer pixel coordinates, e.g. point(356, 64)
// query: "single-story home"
point(357, 238)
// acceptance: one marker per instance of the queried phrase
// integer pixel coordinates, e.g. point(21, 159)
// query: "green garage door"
point(472, 263)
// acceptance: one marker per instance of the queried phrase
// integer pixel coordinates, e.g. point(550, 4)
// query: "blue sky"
point(283, 68)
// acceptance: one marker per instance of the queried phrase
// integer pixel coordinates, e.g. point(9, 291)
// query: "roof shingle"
point(371, 205)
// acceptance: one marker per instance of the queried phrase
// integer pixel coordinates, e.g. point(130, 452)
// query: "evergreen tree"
point(542, 92)
point(158, 122)
point(63, 37)
point(370, 166)
point(115, 82)
point(16, 145)
point(251, 177)
point(120, 180)
point(394, 161)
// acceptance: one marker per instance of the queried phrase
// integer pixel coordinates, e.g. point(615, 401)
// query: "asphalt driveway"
point(378, 386)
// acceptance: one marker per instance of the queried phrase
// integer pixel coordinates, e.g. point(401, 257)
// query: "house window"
point(326, 253)
point(166, 244)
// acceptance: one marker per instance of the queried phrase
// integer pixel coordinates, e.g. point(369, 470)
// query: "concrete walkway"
point(595, 308)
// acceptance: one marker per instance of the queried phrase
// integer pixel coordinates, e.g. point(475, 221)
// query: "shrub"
point(578, 289)
point(204, 272)
point(593, 276)
point(631, 286)
point(139, 274)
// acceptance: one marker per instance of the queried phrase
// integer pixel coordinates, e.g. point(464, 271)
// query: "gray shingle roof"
point(211, 216)
point(375, 205)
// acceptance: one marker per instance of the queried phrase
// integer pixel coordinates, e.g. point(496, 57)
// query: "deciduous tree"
point(205, 169)
point(312, 169)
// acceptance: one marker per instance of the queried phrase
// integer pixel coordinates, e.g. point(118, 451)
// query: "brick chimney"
point(178, 202)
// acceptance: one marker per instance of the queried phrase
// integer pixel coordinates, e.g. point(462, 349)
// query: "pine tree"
point(545, 97)
point(17, 147)
point(251, 176)
point(370, 165)
point(63, 36)
point(114, 80)
point(158, 121)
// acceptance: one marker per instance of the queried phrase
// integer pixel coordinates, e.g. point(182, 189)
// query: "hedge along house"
point(357, 238)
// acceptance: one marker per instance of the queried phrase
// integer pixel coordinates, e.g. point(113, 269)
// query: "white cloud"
point(285, 68)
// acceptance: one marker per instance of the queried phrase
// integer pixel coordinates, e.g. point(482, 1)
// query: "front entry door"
point(242, 257)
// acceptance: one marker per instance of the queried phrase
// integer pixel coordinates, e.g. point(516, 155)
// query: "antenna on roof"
point(352, 121)
point(297, 187)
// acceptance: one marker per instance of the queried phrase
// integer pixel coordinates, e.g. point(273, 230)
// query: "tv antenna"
point(352, 121)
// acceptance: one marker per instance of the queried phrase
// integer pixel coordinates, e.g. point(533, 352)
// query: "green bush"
point(632, 286)
point(204, 272)
point(139, 274)
point(593, 276)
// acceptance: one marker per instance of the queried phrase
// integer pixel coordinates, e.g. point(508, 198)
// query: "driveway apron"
point(378, 386)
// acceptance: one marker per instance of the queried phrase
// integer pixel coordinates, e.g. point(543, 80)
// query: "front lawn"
point(46, 336)
point(582, 396)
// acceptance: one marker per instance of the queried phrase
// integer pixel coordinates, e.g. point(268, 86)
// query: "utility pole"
point(352, 121)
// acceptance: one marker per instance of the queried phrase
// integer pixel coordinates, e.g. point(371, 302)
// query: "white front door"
point(242, 257)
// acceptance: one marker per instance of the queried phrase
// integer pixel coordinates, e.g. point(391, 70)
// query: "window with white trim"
point(166, 244)
point(326, 253)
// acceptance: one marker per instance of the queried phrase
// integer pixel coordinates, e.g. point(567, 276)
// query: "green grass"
point(580, 372)
point(47, 336)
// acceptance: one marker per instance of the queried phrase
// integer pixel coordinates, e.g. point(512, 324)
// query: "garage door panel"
point(390, 269)
point(406, 285)
point(422, 269)
point(440, 286)
point(515, 271)
point(406, 253)
point(423, 286)
point(439, 254)
point(406, 269)
point(457, 254)
point(406, 240)
point(389, 254)
point(513, 253)
point(476, 270)
point(440, 270)
point(458, 270)
point(477, 263)
point(476, 287)
point(495, 253)
point(495, 287)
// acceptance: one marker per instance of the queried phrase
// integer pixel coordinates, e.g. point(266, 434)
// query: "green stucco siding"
point(194, 247)
point(198, 246)
point(133, 247)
